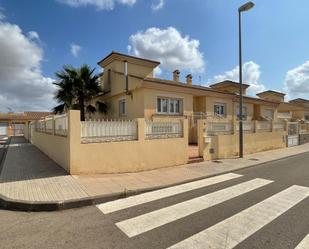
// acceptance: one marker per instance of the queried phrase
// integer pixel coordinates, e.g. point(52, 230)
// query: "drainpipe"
point(126, 76)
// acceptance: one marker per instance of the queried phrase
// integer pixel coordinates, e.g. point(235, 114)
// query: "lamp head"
point(247, 6)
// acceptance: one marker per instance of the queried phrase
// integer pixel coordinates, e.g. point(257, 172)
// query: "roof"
point(24, 116)
point(286, 106)
point(37, 115)
point(228, 83)
point(299, 100)
point(271, 92)
point(125, 57)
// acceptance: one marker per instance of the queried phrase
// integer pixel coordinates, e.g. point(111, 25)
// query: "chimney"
point(189, 79)
point(176, 74)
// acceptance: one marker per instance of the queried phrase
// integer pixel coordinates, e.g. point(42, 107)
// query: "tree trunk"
point(82, 107)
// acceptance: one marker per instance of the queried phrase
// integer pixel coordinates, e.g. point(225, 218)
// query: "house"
point(302, 113)
point(153, 123)
point(12, 124)
point(132, 91)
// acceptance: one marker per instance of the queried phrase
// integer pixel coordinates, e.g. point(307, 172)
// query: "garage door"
point(3, 129)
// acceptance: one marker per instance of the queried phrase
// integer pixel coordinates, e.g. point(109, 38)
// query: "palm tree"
point(76, 89)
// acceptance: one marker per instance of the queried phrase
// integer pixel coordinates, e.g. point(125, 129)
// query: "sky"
point(195, 36)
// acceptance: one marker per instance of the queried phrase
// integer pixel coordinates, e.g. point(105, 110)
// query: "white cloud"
point(251, 76)
point(75, 49)
point(297, 81)
point(157, 5)
point(100, 4)
point(22, 84)
point(168, 46)
point(33, 35)
point(2, 16)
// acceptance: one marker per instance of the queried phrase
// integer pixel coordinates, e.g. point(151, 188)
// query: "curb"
point(38, 206)
point(2, 159)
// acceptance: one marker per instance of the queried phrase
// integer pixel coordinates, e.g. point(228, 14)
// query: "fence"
point(108, 130)
point(163, 129)
point(263, 126)
point(279, 126)
point(61, 125)
point(247, 126)
point(57, 124)
point(86, 149)
point(222, 128)
point(227, 128)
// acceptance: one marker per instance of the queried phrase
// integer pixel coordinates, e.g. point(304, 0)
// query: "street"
point(262, 207)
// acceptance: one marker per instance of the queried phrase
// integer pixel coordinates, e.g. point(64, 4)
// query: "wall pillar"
point(141, 129)
point(74, 136)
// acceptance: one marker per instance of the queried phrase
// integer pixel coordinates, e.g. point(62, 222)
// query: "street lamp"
point(247, 6)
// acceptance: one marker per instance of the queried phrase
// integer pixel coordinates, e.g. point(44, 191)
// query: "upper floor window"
point(306, 116)
point(220, 109)
point(122, 107)
point(268, 113)
point(169, 106)
point(244, 112)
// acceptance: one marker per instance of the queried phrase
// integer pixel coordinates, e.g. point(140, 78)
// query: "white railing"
point(303, 128)
point(49, 123)
point(163, 129)
point(279, 126)
point(61, 125)
point(215, 128)
point(284, 115)
point(40, 126)
point(263, 126)
point(247, 126)
point(108, 130)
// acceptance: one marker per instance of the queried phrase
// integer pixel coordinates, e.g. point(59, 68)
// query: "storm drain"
point(254, 159)
point(216, 161)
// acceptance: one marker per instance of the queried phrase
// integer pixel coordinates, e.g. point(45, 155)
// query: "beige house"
point(153, 123)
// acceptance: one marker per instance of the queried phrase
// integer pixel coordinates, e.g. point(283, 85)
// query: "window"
point(307, 116)
point(268, 113)
point(122, 107)
point(219, 109)
point(168, 106)
point(244, 112)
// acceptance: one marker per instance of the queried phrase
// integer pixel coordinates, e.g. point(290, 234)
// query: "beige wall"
point(118, 79)
point(111, 157)
point(126, 156)
point(55, 147)
point(227, 146)
point(150, 102)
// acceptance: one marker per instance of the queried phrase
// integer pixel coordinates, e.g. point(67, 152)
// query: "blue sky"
point(275, 41)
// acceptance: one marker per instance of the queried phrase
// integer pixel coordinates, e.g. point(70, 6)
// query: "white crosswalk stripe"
point(149, 221)
point(117, 205)
point(230, 232)
point(304, 244)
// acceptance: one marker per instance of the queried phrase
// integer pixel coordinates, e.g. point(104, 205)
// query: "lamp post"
point(247, 6)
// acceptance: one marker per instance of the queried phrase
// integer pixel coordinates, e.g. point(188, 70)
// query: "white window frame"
point(222, 107)
point(122, 109)
point(244, 112)
point(169, 103)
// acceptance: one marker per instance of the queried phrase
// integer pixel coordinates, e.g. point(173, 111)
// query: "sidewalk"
point(31, 181)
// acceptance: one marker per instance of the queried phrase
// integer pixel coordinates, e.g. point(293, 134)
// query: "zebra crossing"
point(226, 234)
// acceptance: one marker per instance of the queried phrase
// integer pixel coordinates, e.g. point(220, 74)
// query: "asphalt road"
point(265, 213)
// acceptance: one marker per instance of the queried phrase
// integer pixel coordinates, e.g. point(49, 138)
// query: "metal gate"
point(3, 129)
point(18, 129)
point(293, 134)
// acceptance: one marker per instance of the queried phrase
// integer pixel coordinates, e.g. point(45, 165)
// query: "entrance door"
point(18, 129)
point(293, 136)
